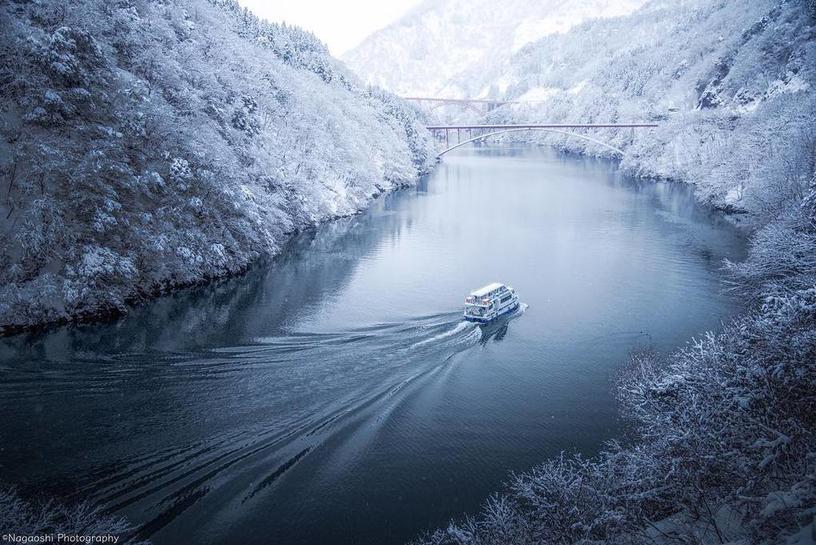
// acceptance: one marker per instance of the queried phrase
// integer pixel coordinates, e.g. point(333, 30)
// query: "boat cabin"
point(488, 302)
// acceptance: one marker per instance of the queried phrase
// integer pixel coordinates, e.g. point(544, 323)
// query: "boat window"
point(505, 298)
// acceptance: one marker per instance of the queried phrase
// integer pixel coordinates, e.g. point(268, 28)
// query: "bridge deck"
point(545, 126)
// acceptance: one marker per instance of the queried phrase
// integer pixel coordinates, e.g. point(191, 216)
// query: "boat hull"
point(487, 319)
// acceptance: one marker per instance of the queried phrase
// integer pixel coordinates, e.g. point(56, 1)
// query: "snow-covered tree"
point(148, 145)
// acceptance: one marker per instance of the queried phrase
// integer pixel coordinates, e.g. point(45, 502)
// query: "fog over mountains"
point(436, 48)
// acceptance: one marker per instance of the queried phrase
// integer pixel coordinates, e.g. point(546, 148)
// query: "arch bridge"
point(485, 131)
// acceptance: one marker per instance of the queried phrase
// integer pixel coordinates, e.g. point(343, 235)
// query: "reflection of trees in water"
point(311, 268)
point(706, 232)
point(700, 228)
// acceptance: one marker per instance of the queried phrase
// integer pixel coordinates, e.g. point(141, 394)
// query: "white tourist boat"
point(490, 302)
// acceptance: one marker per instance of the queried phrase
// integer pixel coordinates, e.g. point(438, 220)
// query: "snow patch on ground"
point(539, 94)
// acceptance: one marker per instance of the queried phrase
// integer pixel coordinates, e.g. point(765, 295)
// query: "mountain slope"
point(731, 85)
point(148, 145)
point(441, 47)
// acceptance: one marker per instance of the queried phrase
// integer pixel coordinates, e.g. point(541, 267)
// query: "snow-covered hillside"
point(732, 85)
point(442, 48)
point(147, 145)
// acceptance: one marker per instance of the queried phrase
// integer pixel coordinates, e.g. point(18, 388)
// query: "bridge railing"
point(485, 131)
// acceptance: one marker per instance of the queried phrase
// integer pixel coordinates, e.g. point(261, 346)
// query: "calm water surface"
point(335, 396)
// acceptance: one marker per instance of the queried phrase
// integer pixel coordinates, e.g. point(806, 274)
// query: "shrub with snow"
point(29, 519)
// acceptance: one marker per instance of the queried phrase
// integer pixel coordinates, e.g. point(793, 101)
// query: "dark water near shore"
point(335, 396)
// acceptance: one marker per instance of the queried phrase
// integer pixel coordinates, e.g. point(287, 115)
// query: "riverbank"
point(125, 178)
point(138, 296)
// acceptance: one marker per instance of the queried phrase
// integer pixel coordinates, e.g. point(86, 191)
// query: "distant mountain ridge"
point(431, 50)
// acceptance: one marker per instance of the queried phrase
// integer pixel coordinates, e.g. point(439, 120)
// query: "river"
point(334, 395)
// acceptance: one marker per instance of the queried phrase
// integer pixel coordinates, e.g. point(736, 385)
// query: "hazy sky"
point(341, 24)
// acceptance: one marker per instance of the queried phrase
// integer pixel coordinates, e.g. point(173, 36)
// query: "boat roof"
point(487, 289)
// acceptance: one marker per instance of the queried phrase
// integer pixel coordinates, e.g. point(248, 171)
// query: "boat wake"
point(469, 331)
point(239, 419)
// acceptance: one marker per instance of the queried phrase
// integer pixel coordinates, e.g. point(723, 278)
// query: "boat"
point(490, 302)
